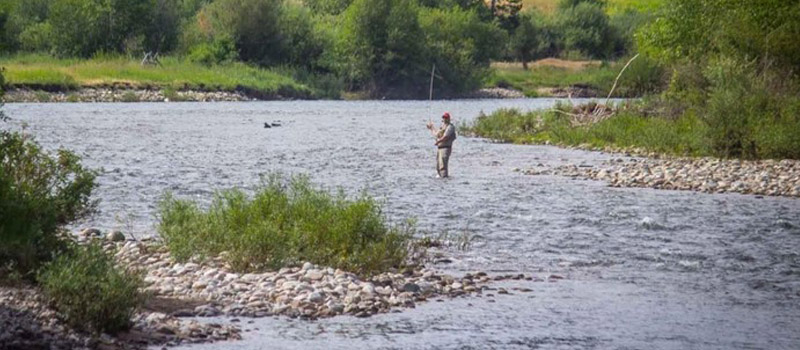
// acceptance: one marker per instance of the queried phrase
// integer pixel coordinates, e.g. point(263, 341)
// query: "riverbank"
point(678, 154)
point(709, 175)
point(552, 77)
point(181, 294)
point(28, 322)
point(31, 78)
point(37, 78)
point(124, 93)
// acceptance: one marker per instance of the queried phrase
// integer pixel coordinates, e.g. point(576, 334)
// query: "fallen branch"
point(619, 75)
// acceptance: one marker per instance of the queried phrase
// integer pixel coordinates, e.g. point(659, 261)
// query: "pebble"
point(27, 322)
point(710, 175)
point(308, 291)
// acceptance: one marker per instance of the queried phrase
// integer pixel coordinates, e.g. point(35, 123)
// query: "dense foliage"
point(735, 64)
point(682, 136)
point(381, 48)
point(90, 292)
point(285, 223)
point(39, 193)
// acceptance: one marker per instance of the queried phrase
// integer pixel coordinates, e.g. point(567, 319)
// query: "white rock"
point(314, 275)
point(115, 236)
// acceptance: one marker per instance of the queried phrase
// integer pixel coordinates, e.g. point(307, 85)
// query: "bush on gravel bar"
point(285, 223)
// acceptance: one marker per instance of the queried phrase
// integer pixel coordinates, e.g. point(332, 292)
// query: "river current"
point(644, 269)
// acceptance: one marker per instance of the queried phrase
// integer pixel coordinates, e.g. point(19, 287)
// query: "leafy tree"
point(302, 42)
point(254, 26)
point(189, 8)
point(39, 193)
point(624, 26)
point(85, 27)
point(568, 4)
point(507, 13)
point(585, 28)
point(461, 46)
point(331, 7)
point(381, 48)
point(527, 41)
point(695, 30)
point(6, 41)
point(26, 22)
point(162, 29)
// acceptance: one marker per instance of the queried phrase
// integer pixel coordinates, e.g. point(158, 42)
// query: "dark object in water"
point(271, 125)
point(266, 125)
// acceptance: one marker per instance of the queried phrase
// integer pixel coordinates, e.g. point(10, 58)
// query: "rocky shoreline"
point(27, 322)
point(709, 175)
point(125, 94)
point(182, 294)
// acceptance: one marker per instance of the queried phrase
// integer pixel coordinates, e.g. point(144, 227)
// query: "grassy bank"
point(47, 73)
point(641, 77)
point(538, 78)
point(614, 6)
point(682, 136)
point(284, 223)
point(686, 134)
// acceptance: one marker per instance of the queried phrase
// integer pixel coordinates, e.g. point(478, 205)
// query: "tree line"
point(381, 47)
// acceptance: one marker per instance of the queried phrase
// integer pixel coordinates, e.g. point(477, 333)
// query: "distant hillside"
point(614, 6)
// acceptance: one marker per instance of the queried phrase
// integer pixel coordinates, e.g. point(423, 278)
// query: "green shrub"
point(643, 77)
point(285, 222)
point(172, 94)
point(218, 51)
point(461, 46)
point(745, 118)
point(90, 292)
point(129, 96)
point(683, 136)
point(39, 193)
point(381, 49)
point(585, 28)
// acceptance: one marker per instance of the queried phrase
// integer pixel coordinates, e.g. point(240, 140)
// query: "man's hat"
point(446, 115)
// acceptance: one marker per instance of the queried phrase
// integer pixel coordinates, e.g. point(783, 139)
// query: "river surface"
point(644, 269)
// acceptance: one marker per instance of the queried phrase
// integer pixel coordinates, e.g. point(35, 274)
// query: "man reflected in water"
point(445, 135)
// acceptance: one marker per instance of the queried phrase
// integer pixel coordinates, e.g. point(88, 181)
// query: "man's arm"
point(446, 135)
point(434, 131)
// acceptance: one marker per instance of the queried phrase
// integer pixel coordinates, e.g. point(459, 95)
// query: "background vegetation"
point(731, 89)
point(286, 222)
point(379, 48)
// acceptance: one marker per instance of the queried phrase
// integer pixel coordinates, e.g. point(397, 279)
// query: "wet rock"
point(411, 288)
point(764, 177)
point(115, 236)
point(91, 233)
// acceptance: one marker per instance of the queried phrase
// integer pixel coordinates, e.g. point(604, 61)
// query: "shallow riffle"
point(644, 268)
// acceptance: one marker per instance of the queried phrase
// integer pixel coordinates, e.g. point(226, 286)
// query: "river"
point(644, 269)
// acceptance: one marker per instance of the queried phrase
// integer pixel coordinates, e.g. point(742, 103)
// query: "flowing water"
point(645, 269)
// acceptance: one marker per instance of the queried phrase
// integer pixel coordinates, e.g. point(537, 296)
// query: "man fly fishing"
point(444, 135)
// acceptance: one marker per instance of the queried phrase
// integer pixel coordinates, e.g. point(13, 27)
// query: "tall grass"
point(642, 77)
point(529, 81)
point(682, 136)
point(613, 7)
point(286, 222)
point(41, 70)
